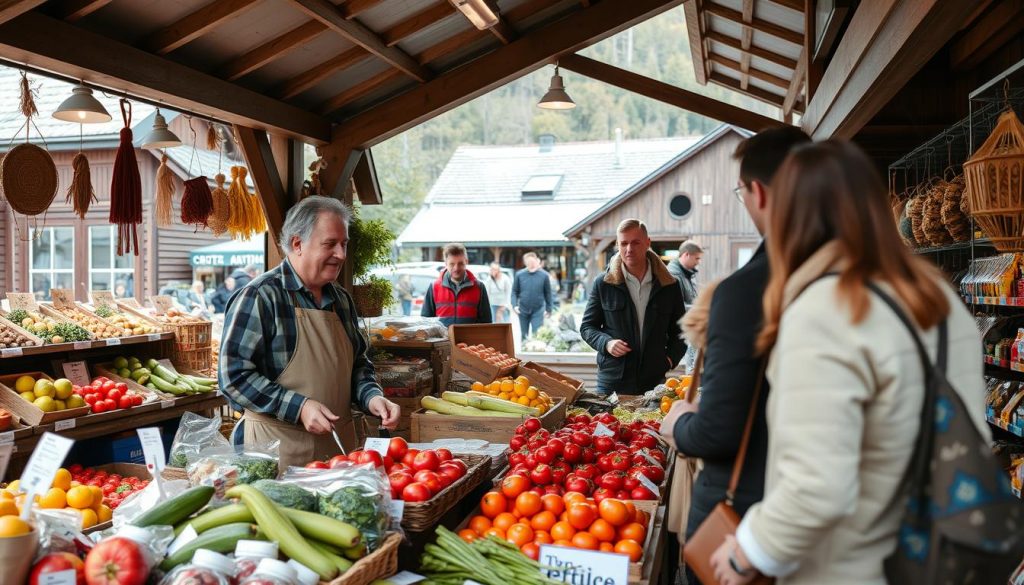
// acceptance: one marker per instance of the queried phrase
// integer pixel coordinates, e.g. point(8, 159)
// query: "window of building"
point(51, 260)
point(541, 187)
point(680, 205)
point(107, 270)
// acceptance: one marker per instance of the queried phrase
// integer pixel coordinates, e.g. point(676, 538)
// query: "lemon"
point(28, 396)
point(75, 401)
point(45, 404)
point(64, 388)
point(45, 387)
point(25, 384)
point(12, 525)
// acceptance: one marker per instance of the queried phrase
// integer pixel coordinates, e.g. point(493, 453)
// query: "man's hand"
point(679, 408)
point(617, 348)
point(387, 411)
point(724, 573)
point(317, 418)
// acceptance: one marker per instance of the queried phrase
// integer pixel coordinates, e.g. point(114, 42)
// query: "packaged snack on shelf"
point(991, 277)
point(407, 329)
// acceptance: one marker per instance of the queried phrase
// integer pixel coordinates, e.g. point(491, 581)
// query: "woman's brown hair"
point(831, 191)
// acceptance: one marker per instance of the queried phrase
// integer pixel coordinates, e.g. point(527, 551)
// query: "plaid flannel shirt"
point(260, 336)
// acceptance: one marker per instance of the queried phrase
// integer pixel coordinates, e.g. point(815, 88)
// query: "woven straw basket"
point(29, 179)
point(995, 184)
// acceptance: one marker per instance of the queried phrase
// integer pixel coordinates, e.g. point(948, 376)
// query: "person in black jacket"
point(632, 316)
point(712, 430)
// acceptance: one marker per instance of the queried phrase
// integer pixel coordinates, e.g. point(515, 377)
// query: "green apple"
point(64, 388)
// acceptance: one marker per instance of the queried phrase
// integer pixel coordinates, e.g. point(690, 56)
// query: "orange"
point(62, 479)
point(614, 512)
point(7, 495)
point(585, 540)
point(97, 496)
point(468, 535)
point(531, 550)
point(631, 549)
point(105, 514)
point(477, 387)
point(528, 504)
point(543, 521)
point(519, 534)
point(581, 516)
point(479, 524)
point(515, 512)
point(633, 531)
point(602, 530)
point(642, 518)
point(630, 510)
point(672, 383)
point(81, 497)
point(53, 499)
point(541, 537)
point(492, 504)
point(13, 526)
point(8, 507)
point(573, 497)
point(562, 543)
point(562, 531)
point(513, 485)
point(606, 547)
point(89, 518)
point(553, 503)
point(495, 532)
point(503, 521)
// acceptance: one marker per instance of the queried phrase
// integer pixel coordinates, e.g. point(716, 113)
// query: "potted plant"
point(369, 246)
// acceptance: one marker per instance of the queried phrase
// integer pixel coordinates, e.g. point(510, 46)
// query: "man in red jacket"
point(456, 297)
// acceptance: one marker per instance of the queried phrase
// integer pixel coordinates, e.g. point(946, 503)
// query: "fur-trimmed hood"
point(661, 273)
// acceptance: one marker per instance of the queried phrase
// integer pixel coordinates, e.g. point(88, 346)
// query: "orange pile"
point(528, 520)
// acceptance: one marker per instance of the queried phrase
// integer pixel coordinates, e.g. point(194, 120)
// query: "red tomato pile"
point(574, 459)
point(414, 475)
point(104, 395)
point(115, 487)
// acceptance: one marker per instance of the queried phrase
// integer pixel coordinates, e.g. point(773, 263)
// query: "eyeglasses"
point(738, 192)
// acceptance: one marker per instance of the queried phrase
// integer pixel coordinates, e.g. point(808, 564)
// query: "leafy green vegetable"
point(287, 495)
point(69, 331)
point(104, 311)
point(178, 459)
point(17, 316)
point(251, 468)
point(366, 512)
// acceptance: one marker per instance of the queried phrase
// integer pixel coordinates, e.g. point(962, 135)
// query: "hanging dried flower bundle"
point(126, 189)
point(164, 194)
point(218, 220)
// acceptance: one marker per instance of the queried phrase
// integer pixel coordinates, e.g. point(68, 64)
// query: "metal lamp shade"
point(556, 98)
point(82, 108)
point(160, 136)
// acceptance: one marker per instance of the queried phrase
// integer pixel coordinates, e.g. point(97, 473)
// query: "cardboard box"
point(496, 335)
point(29, 413)
point(555, 384)
point(427, 427)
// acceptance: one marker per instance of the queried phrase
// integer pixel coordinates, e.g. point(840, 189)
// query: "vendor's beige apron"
point(320, 368)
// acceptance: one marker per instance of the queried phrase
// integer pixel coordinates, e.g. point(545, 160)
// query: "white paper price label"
point(166, 404)
point(59, 578)
point(83, 344)
point(613, 398)
point(42, 466)
point(152, 449)
point(103, 297)
point(572, 565)
point(26, 301)
point(647, 483)
point(186, 536)
point(63, 425)
point(11, 352)
point(398, 509)
point(153, 337)
point(603, 431)
point(5, 457)
point(405, 578)
point(377, 444)
point(77, 372)
point(114, 341)
point(647, 456)
point(6, 439)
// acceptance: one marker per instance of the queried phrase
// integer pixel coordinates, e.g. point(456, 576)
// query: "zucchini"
point(221, 539)
point(445, 407)
point(356, 552)
point(229, 514)
point(324, 528)
point(176, 509)
point(488, 402)
point(342, 564)
point(279, 528)
point(165, 386)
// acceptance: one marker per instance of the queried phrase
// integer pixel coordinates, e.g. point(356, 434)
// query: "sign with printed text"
point(67, 577)
point(602, 431)
point(62, 297)
point(103, 297)
point(584, 567)
point(77, 372)
point(647, 456)
point(406, 578)
point(152, 449)
point(64, 425)
point(613, 398)
point(11, 352)
point(83, 344)
point(162, 303)
point(130, 302)
point(5, 457)
point(650, 485)
point(398, 509)
point(25, 301)
point(114, 341)
point(43, 465)
point(377, 444)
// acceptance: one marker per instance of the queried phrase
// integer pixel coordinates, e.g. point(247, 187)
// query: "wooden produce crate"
point(424, 516)
point(427, 427)
point(29, 413)
point(377, 565)
point(17, 328)
point(496, 335)
point(107, 369)
point(556, 385)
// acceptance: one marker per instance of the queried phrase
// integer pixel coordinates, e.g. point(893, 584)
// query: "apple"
point(56, 562)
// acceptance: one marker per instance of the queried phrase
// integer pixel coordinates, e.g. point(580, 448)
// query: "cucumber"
point(165, 386)
point(342, 564)
point(221, 539)
point(324, 528)
point(488, 402)
point(356, 552)
point(158, 371)
point(445, 407)
point(229, 514)
point(175, 509)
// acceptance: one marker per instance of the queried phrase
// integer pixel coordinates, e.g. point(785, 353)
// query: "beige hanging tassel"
point(80, 193)
point(259, 219)
point(164, 194)
point(218, 220)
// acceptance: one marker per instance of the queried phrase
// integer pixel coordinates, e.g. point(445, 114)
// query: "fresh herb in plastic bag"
point(196, 434)
point(366, 511)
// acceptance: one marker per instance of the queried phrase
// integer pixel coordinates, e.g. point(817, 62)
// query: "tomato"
point(575, 483)
point(544, 455)
point(604, 444)
point(56, 562)
point(99, 406)
point(397, 448)
point(125, 402)
point(91, 398)
point(317, 465)
point(416, 492)
point(653, 472)
point(451, 471)
point(553, 489)
point(109, 404)
point(517, 442)
point(122, 387)
point(337, 461)
point(601, 494)
point(398, 481)
point(541, 475)
point(641, 493)
point(426, 460)
point(646, 441)
point(492, 504)
point(582, 439)
point(587, 471)
point(613, 480)
point(430, 479)
point(116, 561)
point(107, 386)
point(532, 424)
point(370, 457)
point(410, 455)
point(109, 488)
point(589, 455)
point(137, 400)
point(556, 446)
point(532, 550)
point(458, 463)
point(444, 455)
point(399, 467)
point(572, 453)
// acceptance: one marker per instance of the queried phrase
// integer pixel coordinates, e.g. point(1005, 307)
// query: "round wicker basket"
point(29, 179)
point(953, 216)
point(995, 184)
point(931, 216)
point(915, 209)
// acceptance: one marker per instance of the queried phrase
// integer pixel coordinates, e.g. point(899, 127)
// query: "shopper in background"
point(632, 317)
point(457, 297)
point(222, 294)
point(241, 277)
point(531, 295)
point(499, 291)
point(197, 299)
point(403, 288)
point(731, 367)
point(684, 269)
point(848, 382)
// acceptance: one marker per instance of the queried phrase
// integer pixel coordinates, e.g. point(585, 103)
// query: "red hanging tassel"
point(126, 189)
point(197, 201)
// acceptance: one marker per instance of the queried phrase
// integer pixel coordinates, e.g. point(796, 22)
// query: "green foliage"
point(369, 245)
point(380, 291)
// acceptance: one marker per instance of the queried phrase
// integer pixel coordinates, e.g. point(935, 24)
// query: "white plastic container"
point(303, 574)
point(271, 572)
point(249, 553)
point(206, 568)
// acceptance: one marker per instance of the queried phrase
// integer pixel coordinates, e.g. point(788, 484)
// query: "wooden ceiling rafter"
point(991, 32)
point(272, 50)
point(751, 71)
point(746, 41)
point(473, 34)
point(195, 25)
point(335, 20)
point(11, 9)
point(695, 31)
point(756, 23)
point(754, 50)
point(358, 90)
point(503, 31)
point(353, 8)
point(797, 5)
point(75, 10)
point(795, 85)
point(417, 22)
point(313, 76)
point(755, 92)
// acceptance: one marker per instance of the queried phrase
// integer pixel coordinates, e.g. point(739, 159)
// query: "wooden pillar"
point(263, 168)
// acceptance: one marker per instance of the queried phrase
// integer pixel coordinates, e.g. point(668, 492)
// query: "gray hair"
point(690, 247)
point(301, 219)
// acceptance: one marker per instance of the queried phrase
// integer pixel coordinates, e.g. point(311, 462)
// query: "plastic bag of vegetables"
point(223, 471)
point(196, 434)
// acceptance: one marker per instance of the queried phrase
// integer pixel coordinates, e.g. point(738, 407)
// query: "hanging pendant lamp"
point(160, 136)
point(556, 98)
point(82, 107)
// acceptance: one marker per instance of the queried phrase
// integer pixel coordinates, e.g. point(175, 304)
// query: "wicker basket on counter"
point(423, 516)
point(381, 563)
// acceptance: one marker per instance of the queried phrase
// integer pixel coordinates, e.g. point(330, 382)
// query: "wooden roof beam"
point(357, 91)
point(797, 5)
point(754, 51)
point(10, 9)
point(417, 22)
point(75, 10)
point(458, 86)
point(754, 92)
point(795, 86)
point(752, 72)
point(995, 29)
point(353, 8)
point(663, 92)
point(335, 20)
point(746, 40)
point(195, 25)
point(271, 50)
point(695, 30)
point(318, 73)
point(756, 23)
point(41, 41)
point(503, 31)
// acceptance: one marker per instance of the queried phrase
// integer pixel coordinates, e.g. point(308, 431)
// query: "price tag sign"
point(186, 536)
point(26, 301)
point(572, 565)
point(42, 466)
point(63, 425)
point(6, 439)
point(103, 297)
point(377, 444)
point(406, 578)
point(398, 509)
point(166, 404)
point(152, 449)
point(114, 341)
point(62, 297)
point(153, 337)
point(647, 483)
point(613, 398)
point(83, 344)
point(59, 578)
point(162, 303)
point(77, 372)
point(10, 352)
point(603, 431)
point(648, 457)
point(5, 457)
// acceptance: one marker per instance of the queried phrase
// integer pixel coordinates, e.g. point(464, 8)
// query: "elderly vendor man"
point(291, 355)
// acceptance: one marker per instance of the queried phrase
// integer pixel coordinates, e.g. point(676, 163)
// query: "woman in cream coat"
point(847, 380)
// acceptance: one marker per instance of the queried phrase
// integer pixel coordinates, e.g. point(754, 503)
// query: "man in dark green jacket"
point(632, 317)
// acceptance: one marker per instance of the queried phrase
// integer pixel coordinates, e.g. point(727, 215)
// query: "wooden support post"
point(259, 158)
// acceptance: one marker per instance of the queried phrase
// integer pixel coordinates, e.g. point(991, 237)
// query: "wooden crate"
point(557, 385)
point(29, 413)
point(17, 328)
point(496, 335)
point(427, 427)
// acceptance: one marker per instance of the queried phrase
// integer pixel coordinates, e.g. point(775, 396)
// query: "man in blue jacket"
point(531, 295)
